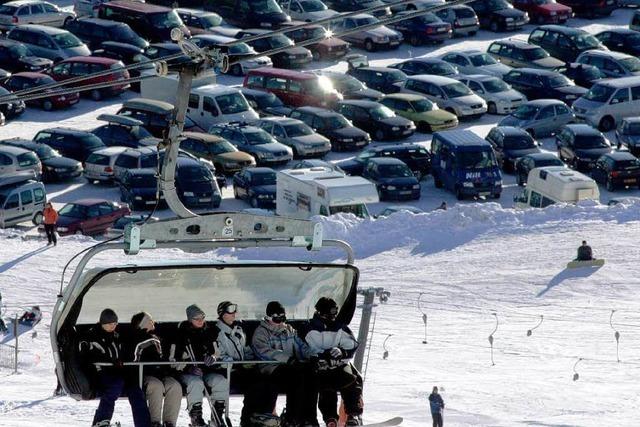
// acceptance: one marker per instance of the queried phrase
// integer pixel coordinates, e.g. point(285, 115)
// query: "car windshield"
point(268, 99)
point(559, 81)
point(143, 181)
point(591, 141)
point(493, 5)
point(195, 174)
point(534, 54)
point(428, 18)
point(495, 85)
point(264, 6)
point(209, 21)
point(19, 50)
point(474, 159)
point(316, 33)
point(139, 132)
point(45, 152)
point(633, 129)
point(518, 143)
point(221, 147)
point(232, 103)
point(258, 137)
point(267, 178)
point(8, 10)
point(441, 69)
point(585, 41)
point(482, 59)
point(395, 171)
point(279, 40)
point(336, 122)
point(395, 76)
point(298, 129)
point(241, 49)
point(123, 221)
point(91, 141)
point(313, 5)
point(66, 40)
point(422, 105)
point(592, 73)
point(365, 21)
point(631, 63)
point(628, 164)
point(599, 93)
point(381, 112)
point(456, 90)
point(169, 19)
point(123, 33)
point(320, 86)
point(74, 211)
point(346, 83)
point(526, 112)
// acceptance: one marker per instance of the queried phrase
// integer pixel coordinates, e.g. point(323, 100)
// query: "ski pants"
point(437, 419)
point(50, 230)
point(164, 396)
point(195, 384)
point(348, 382)
point(112, 386)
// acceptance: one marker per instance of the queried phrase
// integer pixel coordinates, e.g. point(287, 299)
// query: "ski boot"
point(195, 414)
point(220, 418)
point(354, 420)
point(263, 420)
point(156, 424)
point(331, 422)
point(168, 424)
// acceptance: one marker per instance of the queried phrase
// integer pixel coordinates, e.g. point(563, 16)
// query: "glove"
point(118, 364)
point(209, 360)
point(335, 352)
point(194, 370)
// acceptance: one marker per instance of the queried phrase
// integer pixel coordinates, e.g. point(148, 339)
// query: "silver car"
point(237, 52)
point(14, 160)
point(611, 64)
point(372, 39)
point(20, 12)
point(463, 20)
point(307, 10)
point(48, 42)
point(296, 134)
point(541, 117)
point(500, 97)
point(476, 62)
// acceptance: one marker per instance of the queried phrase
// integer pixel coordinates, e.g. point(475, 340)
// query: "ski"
point(388, 423)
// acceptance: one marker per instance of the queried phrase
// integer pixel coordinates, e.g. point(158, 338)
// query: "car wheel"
point(369, 46)
point(66, 21)
point(235, 193)
point(496, 196)
point(414, 40)
point(236, 70)
point(254, 202)
point(491, 108)
point(531, 132)
point(459, 194)
point(37, 218)
point(379, 135)
point(606, 124)
point(437, 182)
point(609, 185)
point(494, 26)
point(47, 105)
point(95, 95)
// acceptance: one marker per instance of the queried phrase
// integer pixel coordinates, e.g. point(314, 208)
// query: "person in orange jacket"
point(50, 218)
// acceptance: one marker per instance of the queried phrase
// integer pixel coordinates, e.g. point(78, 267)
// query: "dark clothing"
point(146, 347)
point(196, 343)
point(437, 420)
point(348, 382)
point(436, 403)
point(104, 347)
point(584, 253)
point(50, 230)
point(112, 386)
point(291, 379)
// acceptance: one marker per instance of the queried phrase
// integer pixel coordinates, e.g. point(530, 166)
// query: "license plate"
point(150, 202)
point(394, 43)
point(629, 181)
point(442, 29)
point(406, 132)
point(484, 193)
point(361, 143)
point(404, 193)
point(205, 199)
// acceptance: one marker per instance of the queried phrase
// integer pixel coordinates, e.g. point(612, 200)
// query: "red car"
point(89, 216)
point(27, 80)
point(83, 65)
point(545, 11)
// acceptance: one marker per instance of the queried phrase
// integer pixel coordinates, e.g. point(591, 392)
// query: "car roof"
point(431, 78)
point(582, 129)
point(139, 151)
point(260, 170)
point(101, 22)
point(635, 119)
point(541, 156)
point(561, 29)
point(92, 60)
point(379, 69)
point(536, 71)
point(620, 155)
point(195, 12)
point(137, 6)
point(517, 43)
point(31, 75)
point(143, 103)
point(206, 137)
point(281, 72)
point(479, 77)
point(280, 119)
point(110, 151)
point(255, 92)
point(40, 29)
point(469, 52)
point(89, 201)
point(20, 142)
point(386, 161)
point(23, 2)
point(606, 53)
point(404, 96)
point(394, 147)
point(16, 151)
point(214, 89)
point(426, 60)
point(217, 38)
point(361, 15)
point(544, 102)
point(511, 130)
point(141, 171)
point(67, 131)
point(360, 103)
point(620, 81)
point(619, 31)
point(317, 111)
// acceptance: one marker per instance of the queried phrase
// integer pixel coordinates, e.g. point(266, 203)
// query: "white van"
point(212, 104)
point(100, 164)
point(303, 193)
point(556, 184)
point(21, 199)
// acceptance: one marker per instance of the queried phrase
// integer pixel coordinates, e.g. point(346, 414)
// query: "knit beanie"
point(194, 311)
point(108, 316)
point(274, 307)
point(326, 305)
point(222, 307)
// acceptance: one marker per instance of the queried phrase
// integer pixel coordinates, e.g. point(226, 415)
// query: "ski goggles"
point(278, 318)
point(331, 314)
point(231, 309)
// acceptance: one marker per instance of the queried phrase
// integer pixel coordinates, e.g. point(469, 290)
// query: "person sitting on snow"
point(584, 252)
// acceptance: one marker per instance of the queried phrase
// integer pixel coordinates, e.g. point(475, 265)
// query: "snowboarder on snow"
point(437, 405)
point(32, 316)
point(50, 217)
point(3, 327)
point(332, 344)
point(103, 345)
point(584, 252)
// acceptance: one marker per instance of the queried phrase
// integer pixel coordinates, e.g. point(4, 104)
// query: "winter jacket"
point(584, 253)
point(146, 347)
point(232, 342)
point(322, 336)
point(279, 342)
point(193, 344)
point(100, 346)
point(50, 216)
point(436, 402)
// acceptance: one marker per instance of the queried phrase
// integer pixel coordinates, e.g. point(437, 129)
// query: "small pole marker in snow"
point(384, 346)
point(616, 335)
point(530, 331)
point(424, 318)
point(491, 337)
point(576, 376)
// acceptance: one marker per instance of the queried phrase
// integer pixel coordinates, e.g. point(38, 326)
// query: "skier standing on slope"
point(50, 217)
point(437, 405)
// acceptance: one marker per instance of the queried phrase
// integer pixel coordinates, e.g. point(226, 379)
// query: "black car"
point(530, 161)
point(386, 80)
point(619, 169)
point(580, 145)
point(375, 118)
point(562, 42)
point(425, 65)
point(498, 15)
point(343, 135)
point(15, 57)
point(195, 184)
point(351, 87)
point(138, 188)
point(74, 143)
point(628, 134)
point(535, 83)
point(591, 8)
point(128, 54)
point(257, 186)
point(124, 132)
point(621, 40)
point(244, 13)
point(94, 31)
point(160, 50)
point(413, 155)
point(265, 103)
point(393, 179)
point(582, 74)
point(292, 57)
point(427, 28)
point(12, 108)
point(55, 168)
point(510, 143)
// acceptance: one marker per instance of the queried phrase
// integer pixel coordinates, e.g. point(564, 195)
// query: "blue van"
point(464, 163)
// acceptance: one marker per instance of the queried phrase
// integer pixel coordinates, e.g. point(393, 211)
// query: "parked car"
point(19, 12)
point(581, 74)
point(292, 57)
point(376, 119)
point(296, 134)
point(307, 10)
point(519, 54)
point(99, 165)
point(634, 23)
point(139, 187)
point(80, 66)
point(118, 227)
point(373, 39)
point(427, 28)
point(476, 62)
point(390, 210)
point(331, 48)
point(48, 42)
point(413, 155)
point(196, 185)
point(356, 5)
point(619, 169)
point(509, 144)
point(526, 163)
point(199, 21)
point(499, 15)
point(545, 11)
point(242, 57)
point(255, 141)
point(29, 80)
point(564, 43)
point(580, 145)
point(16, 57)
point(621, 40)
point(316, 163)
point(591, 8)
point(628, 134)
point(225, 156)
point(333, 125)
point(265, 103)
point(463, 20)
point(393, 179)
point(540, 117)
point(159, 50)
point(500, 97)
point(129, 55)
point(540, 84)
point(154, 115)
point(424, 113)
point(95, 31)
point(448, 94)
point(55, 168)
point(257, 186)
point(383, 79)
point(350, 87)
point(89, 216)
point(11, 108)
point(134, 158)
point(611, 64)
point(251, 13)
point(122, 131)
point(426, 65)
point(15, 160)
point(21, 199)
point(74, 143)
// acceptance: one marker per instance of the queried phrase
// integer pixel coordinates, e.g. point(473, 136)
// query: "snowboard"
point(590, 263)
point(388, 423)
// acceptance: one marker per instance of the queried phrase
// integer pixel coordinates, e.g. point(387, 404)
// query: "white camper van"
point(302, 193)
point(556, 184)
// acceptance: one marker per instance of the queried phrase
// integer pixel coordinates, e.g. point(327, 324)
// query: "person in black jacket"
point(158, 382)
point(103, 345)
point(584, 252)
point(437, 405)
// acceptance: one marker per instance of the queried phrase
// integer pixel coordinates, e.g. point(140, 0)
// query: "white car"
point(372, 39)
point(476, 62)
point(19, 12)
point(501, 98)
point(307, 10)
